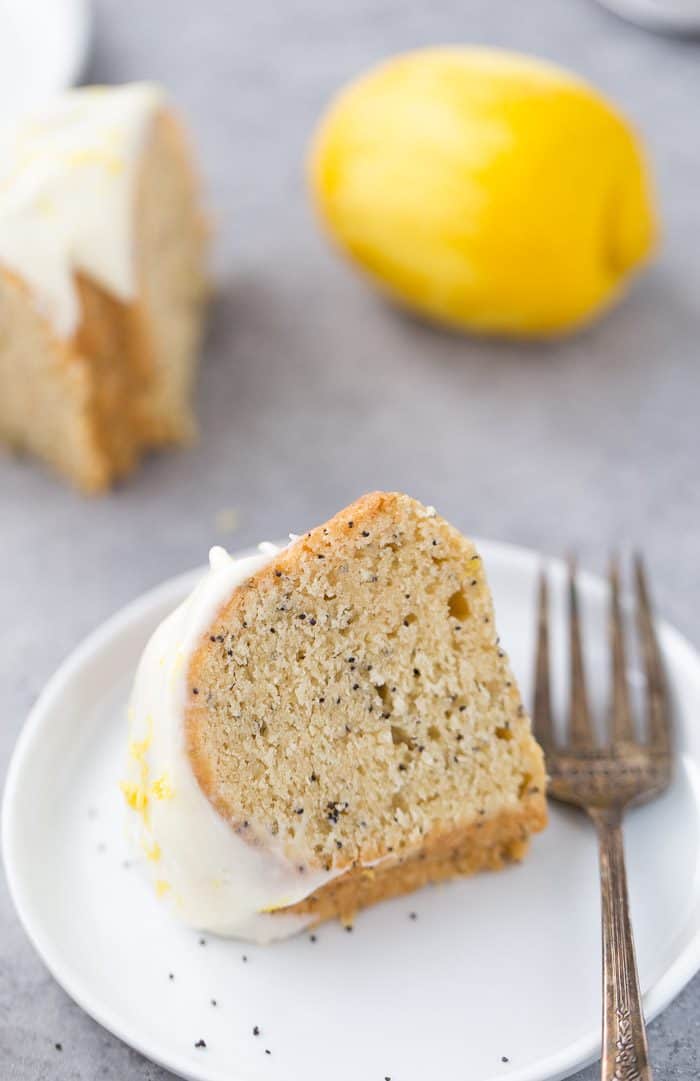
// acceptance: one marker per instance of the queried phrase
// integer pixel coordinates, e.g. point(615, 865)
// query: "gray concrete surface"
point(313, 391)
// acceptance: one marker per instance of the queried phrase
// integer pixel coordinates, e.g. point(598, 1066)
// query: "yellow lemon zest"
point(161, 788)
point(152, 851)
point(162, 887)
point(135, 795)
point(95, 156)
point(282, 903)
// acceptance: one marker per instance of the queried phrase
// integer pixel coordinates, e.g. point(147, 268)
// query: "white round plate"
point(671, 16)
point(43, 44)
point(493, 977)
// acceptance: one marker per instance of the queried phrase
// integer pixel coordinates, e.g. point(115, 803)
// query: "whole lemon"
point(485, 189)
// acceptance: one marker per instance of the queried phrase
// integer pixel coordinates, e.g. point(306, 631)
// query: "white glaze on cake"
point(215, 880)
point(68, 179)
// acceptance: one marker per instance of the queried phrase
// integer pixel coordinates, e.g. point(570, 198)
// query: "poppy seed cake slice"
point(102, 281)
point(352, 721)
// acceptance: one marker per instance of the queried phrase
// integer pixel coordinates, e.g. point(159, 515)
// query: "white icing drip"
point(67, 190)
point(215, 880)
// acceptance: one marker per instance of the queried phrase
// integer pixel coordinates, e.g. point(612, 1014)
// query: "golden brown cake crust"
point(487, 845)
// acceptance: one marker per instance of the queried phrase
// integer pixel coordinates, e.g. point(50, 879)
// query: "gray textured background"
point(313, 391)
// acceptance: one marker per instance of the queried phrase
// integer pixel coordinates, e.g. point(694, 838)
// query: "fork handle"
point(625, 1055)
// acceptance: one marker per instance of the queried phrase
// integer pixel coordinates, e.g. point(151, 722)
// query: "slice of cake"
point(324, 726)
point(101, 281)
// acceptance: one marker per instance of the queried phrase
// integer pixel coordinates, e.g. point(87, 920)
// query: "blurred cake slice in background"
point(102, 283)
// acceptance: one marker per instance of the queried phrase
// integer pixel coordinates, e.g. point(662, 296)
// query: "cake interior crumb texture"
point(90, 405)
point(352, 704)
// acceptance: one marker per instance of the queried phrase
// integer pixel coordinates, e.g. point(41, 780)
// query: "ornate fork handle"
point(625, 1055)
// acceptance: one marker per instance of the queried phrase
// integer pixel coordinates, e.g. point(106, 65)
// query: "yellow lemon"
point(485, 189)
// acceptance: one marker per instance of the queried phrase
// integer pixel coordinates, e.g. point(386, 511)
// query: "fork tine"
point(622, 721)
point(542, 712)
point(658, 711)
point(581, 729)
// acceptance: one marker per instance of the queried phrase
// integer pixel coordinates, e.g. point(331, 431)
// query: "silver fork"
point(604, 781)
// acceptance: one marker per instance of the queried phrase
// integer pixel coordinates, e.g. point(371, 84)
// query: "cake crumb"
point(227, 520)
